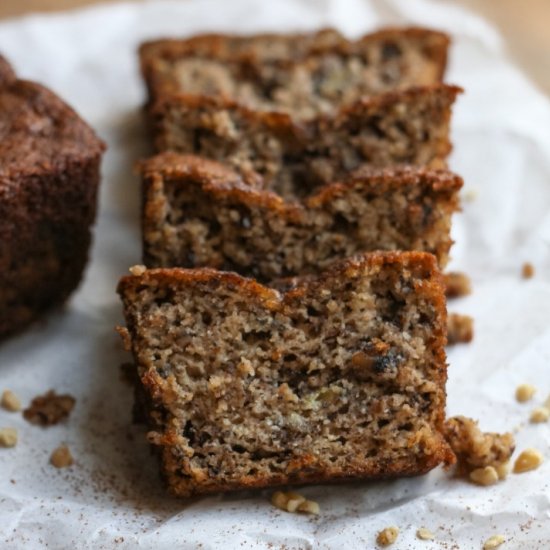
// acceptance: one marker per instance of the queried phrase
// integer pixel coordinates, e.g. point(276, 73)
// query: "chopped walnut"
point(49, 409)
point(10, 401)
point(61, 457)
point(493, 542)
point(138, 270)
point(525, 392)
point(540, 414)
point(456, 284)
point(387, 536)
point(294, 502)
point(527, 270)
point(424, 534)
point(484, 476)
point(475, 449)
point(528, 460)
point(8, 437)
point(460, 328)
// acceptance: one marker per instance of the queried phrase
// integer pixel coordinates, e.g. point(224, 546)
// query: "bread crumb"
point(424, 534)
point(125, 337)
point(8, 437)
point(493, 542)
point(475, 449)
point(527, 270)
point(294, 502)
point(484, 476)
point(457, 284)
point(525, 392)
point(387, 536)
point(540, 414)
point(138, 270)
point(528, 460)
point(49, 409)
point(460, 328)
point(61, 457)
point(10, 401)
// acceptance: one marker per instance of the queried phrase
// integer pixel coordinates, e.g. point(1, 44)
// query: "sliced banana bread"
point(49, 175)
point(301, 74)
point(271, 149)
point(341, 377)
point(199, 213)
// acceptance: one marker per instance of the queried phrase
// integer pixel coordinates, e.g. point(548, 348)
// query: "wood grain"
point(524, 26)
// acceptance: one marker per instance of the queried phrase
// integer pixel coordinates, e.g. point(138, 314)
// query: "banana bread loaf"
point(341, 377)
point(199, 213)
point(302, 74)
point(49, 174)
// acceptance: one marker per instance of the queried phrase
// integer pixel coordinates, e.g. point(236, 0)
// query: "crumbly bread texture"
point(342, 377)
point(303, 75)
point(199, 213)
point(474, 448)
point(49, 175)
point(270, 149)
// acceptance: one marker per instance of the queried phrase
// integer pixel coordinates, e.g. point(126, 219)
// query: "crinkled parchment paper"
point(112, 497)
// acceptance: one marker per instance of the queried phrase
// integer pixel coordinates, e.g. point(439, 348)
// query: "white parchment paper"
point(112, 497)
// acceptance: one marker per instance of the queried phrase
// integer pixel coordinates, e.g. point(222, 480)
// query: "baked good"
point(49, 175)
point(342, 377)
point(301, 74)
point(200, 213)
point(271, 149)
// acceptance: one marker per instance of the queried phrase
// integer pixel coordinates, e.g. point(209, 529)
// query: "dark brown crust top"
point(221, 181)
point(38, 131)
point(290, 47)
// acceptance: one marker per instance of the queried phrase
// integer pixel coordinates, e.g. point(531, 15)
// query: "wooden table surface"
point(524, 25)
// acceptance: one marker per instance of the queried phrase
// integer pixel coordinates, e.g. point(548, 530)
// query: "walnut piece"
point(10, 401)
point(460, 329)
point(294, 502)
point(387, 536)
point(138, 270)
point(493, 542)
point(49, 409)
point(527, 270)
point(540, 414)
point(61, 457)
point(528, 460)
point(424, 534)
point(457, 284)
point(8, 437)
point(525, 392)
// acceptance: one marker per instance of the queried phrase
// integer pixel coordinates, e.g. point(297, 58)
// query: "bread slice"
point(341, 377)
point(271, 150)
point(49, 176)
point(301, 74)
point(199, 213)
